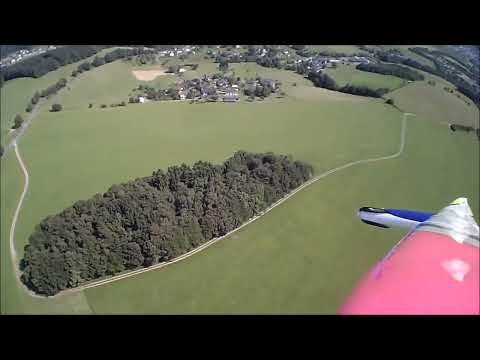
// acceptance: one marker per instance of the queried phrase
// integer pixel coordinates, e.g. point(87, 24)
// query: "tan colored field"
point(148, 75)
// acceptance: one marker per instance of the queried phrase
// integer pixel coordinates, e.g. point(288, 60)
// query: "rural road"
point(204, 245)
point(13, 253)
point(19, 132)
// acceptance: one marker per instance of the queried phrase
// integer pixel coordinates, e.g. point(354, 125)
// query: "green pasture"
point(302, 257)
point(348, 74)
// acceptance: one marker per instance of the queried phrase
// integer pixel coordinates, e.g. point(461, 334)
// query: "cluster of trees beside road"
point(391, 69)
point(42, 64)
point(322, 80)
point(154, 219)
point(53, 89)
point(116, 54)
point(17, 122)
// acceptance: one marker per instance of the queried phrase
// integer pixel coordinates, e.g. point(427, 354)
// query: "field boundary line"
point(204, 245)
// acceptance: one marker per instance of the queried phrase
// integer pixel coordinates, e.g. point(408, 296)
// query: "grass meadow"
point(302, 257)
point(347, 74)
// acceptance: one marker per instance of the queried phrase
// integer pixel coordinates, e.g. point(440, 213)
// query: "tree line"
point(440, 70)
point(322, 80)
point(392, 57)
point(110, 57)
point(155, 218)
point(391, 69)
point(42, 64)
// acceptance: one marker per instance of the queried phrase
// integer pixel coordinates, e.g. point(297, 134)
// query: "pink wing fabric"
point(429, 273)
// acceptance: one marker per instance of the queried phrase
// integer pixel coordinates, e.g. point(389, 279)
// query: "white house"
point(141, 99)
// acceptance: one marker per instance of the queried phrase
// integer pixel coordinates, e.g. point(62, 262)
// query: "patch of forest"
point(155, 218)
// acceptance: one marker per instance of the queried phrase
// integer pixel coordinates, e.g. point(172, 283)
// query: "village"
point(286, 58)
point(210, 88)
point(20, 55)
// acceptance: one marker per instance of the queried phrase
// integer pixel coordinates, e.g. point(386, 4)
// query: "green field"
point(436, 104)
point(302, 257)
point(16, 94)
point(305, 256)
point(347, 74)
point(110, 83)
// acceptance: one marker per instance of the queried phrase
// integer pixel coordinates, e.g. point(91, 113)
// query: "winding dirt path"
point(204, 245)
point(13, 252)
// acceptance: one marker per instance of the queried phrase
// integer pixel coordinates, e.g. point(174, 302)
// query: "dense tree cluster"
point(320, 79)
point(269, 61)
point(124, 53)
point(17, 122)
point(56, 108)
point(334, 54)
point(53, 89)
point(174, 69)
point(391, 69)
point(260, 87)
point(35, 98)
point(41, 64)
point(98, 61)
point(223, 64)
point(2, 150)
point(85, 66)
point(154, 219)
point(363, 91)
